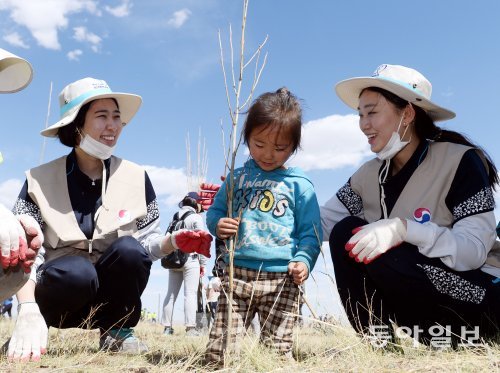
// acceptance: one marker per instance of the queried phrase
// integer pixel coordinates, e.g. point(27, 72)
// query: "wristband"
point(20, 304)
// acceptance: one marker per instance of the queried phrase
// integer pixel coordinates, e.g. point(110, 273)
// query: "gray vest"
point(125, 202)
point(426, 188)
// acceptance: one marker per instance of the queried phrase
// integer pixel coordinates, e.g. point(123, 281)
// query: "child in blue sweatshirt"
point(277, 226)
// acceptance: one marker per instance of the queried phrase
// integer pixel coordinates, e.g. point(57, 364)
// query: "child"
point(277, 222)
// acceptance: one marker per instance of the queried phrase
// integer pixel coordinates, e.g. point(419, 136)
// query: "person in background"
point(213, 291)
point(20, 235)
point(412, 231)
point(277, 226)
point(6, 307)
point(189, 274)
point(101, 224)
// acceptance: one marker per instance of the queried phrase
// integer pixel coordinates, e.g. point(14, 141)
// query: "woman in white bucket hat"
point(411, 232)
point(20, 235)
point(100, 219)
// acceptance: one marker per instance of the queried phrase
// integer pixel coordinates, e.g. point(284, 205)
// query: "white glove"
point(12, 239)
point(29, 339)
point(372, 240)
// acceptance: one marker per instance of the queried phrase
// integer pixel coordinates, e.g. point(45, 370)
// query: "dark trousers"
point(72, 292)
point(412, 290)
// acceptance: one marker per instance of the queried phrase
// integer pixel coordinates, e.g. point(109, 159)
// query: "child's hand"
point(227, 227)
point(298, 271)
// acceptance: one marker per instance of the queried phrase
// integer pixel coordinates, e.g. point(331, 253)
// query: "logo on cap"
point(422, 215)
point(379, 70)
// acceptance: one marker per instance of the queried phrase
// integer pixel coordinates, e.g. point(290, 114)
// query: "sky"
point(168, 52)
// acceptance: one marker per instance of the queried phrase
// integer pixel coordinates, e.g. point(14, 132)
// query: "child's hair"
point(280, 110)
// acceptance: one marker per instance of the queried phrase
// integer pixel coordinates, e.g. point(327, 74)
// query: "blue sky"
point(167, 51)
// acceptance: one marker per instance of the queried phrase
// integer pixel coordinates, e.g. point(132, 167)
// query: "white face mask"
point(95, 148)
point(394, 145)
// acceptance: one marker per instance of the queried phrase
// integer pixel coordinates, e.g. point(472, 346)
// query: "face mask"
point(394, 145)
point(95, 148)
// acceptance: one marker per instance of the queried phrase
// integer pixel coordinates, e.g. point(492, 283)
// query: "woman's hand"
point(227, 227)
point(188, 241)
point(374, 239)
point(13, 242)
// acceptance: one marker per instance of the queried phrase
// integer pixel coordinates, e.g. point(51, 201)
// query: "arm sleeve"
point(345, 202)
point(466, 244)
point(308, 226)
point(149, 232)
point(218, 209)
point(25, 205)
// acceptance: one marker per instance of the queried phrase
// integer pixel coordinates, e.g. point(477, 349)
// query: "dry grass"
point(326, 349)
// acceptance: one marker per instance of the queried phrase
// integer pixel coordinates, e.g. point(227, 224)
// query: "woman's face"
point(378, 119)
point(103, 122)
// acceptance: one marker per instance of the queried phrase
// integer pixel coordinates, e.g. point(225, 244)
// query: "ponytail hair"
point(426, 129)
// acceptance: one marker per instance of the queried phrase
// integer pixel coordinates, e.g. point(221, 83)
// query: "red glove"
point(197, 241)
point(34, 237)
point(208, 192)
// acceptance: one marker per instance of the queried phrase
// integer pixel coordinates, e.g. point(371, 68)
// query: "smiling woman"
point(101, 224)
point(412, 232)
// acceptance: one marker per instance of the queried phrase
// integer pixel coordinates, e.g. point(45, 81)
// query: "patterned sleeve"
point(345, 202)
point(153, 211)
point(350, 199)
point(149, 231)
point(470, 192)
point(25, 205)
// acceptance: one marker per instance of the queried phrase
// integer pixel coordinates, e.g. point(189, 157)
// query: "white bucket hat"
point(404, 82)
point(77, 94)
point(15, 73)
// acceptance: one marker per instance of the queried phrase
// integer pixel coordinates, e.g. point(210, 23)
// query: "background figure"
point(189, 274)
point(6, 307)
point(213, 291)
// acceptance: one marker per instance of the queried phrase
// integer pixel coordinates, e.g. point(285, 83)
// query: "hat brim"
point(128, 103)
point(15, 72)
point(349, 90)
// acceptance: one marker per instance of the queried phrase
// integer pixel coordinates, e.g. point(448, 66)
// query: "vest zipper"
point(90, 246)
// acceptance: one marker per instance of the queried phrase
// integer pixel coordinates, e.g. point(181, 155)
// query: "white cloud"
point(83, 35)
point(74, 55)
point(179, 18)
point(9, 190)
point(121, 10)
point(45, 18)
point(330, 143)
point(170, 184)
point(15, 40)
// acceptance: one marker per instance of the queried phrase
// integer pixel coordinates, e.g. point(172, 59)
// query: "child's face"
point(269, 148)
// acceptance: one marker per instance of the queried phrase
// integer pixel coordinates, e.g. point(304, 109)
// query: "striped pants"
point(272, 295)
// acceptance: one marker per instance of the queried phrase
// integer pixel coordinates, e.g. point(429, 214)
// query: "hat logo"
point(422, 215)
point(379, 70)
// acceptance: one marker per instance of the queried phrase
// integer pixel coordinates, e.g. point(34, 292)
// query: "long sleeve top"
point(279, 215)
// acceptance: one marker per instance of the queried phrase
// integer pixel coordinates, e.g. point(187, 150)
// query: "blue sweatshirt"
point(280, 219)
